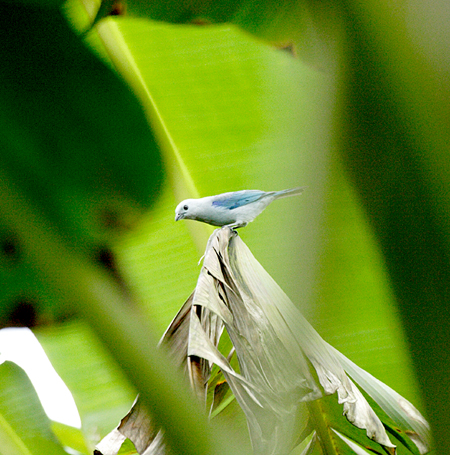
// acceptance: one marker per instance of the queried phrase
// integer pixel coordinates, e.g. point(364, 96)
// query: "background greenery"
point(359, 115)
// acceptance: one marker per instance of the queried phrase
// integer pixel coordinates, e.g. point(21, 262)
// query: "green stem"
point(322, 428)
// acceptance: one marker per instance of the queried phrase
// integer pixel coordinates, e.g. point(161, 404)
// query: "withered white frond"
point(283, 363)
point(275, 346)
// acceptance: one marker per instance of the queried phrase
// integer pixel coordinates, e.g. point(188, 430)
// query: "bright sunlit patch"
point(19, 345)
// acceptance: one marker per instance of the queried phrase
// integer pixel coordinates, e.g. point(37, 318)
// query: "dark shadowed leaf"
point(76, 142)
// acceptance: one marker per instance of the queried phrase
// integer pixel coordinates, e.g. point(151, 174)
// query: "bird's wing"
point(232, 201)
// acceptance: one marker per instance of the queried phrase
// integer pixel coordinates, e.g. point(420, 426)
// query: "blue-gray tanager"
point(234, 210)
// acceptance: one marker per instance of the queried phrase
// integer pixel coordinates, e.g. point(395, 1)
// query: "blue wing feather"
point(238, 199)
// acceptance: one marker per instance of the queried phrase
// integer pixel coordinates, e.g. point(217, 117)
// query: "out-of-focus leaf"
point(24, 427)
point(301, 27)
point(111, 443)
point(75, 140)
point(71, 437)
point(78, 139)
point(397, 122)
point(40, 3)
point(101, 391)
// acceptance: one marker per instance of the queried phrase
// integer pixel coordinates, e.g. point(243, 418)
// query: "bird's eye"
point(185, 207)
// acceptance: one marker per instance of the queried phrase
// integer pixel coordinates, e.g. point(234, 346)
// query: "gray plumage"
point(235, 209)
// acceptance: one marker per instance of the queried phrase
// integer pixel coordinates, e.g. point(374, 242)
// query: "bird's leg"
point(236, 225)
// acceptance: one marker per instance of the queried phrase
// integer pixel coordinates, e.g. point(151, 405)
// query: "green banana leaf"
point(102, 392)
point(25, 429)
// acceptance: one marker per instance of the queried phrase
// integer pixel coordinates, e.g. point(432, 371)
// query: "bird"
point(234, 210)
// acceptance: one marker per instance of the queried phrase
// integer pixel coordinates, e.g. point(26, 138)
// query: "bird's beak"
point(178, 216)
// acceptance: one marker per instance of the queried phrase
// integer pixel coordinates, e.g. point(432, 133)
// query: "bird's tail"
point(290, 192)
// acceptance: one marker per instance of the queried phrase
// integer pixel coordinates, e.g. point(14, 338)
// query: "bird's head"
point(185, 210)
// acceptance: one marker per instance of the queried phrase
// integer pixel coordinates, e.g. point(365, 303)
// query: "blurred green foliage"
point(74, 141)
